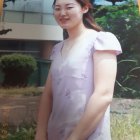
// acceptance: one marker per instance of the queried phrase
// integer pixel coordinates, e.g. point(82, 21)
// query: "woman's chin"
point(64, 26)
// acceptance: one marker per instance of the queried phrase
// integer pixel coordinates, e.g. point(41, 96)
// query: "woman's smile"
point(64, 20)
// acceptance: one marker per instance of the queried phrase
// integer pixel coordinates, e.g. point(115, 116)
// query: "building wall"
point(38, 49)
point(33, 32)
point(30, 21)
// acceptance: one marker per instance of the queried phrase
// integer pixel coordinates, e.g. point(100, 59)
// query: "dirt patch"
point(16, 110)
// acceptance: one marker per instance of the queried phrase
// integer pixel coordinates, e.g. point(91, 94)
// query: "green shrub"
point(17, 68)
point(128, 79)
point(124, 22)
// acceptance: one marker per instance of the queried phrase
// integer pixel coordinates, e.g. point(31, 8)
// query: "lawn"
point(125, 119)
point(123, 127)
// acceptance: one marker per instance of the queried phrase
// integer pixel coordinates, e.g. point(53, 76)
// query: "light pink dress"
point(72, 85)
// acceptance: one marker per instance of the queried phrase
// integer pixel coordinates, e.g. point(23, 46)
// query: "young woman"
point(79, 88)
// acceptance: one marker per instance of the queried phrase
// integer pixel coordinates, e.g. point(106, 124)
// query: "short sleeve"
point(107, 41)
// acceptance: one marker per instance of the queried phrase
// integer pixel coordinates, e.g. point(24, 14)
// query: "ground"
point(18, 109)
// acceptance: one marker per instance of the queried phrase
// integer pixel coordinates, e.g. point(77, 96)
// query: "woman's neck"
point(76, 31)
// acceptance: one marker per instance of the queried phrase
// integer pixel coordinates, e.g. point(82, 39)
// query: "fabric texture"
point(72, 85)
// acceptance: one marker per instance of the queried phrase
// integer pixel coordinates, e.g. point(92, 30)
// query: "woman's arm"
point(44, 111)
point(105, 66)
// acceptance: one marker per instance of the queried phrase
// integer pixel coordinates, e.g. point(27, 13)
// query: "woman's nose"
point(63, 12)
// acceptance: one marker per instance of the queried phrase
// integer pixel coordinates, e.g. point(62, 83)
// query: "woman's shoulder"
point(101, 34)
point(106, 38)
point(92, 33)
point(106, 35)
point(106, 41)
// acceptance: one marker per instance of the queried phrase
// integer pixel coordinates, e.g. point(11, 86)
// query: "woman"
point(79, 88)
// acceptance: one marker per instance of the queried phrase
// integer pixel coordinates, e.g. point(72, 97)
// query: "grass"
point(27, 91)
point(125, 127)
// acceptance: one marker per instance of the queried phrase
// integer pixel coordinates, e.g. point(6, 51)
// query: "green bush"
point(17, 68)
point(124, 22)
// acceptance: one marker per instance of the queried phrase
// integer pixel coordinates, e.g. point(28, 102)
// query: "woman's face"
point(68, 13)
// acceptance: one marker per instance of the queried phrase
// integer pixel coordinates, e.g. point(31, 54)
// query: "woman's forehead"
point(65, 2)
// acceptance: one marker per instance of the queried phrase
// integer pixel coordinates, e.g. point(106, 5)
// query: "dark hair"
point(88, 19)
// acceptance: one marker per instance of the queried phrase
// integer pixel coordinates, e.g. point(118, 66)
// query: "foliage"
point(23, 133)
point(128, 79)
point(17, 68)
point(124, 22)
point(114, 1)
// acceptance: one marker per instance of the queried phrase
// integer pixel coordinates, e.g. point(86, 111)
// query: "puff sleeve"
point(107, 41)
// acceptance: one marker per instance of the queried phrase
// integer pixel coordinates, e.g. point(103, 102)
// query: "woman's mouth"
point(64, 20)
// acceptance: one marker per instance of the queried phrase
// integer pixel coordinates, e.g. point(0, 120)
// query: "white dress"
point(72, 85)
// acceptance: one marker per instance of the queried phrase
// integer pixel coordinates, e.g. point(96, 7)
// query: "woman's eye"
point(56, 8)
point(69, 8)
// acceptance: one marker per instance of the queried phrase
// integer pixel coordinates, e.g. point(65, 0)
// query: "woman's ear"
point(85, 9)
